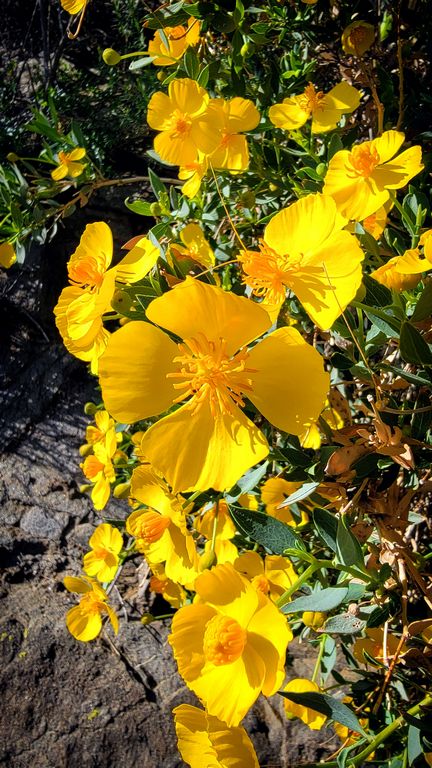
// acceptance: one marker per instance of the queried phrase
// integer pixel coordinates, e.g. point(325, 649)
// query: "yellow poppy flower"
point(177, 116)
point(204, 740)
point(325, 109)
point(314, 720)
point(195, 247)
point(392, 274)
point(209, 442)
point(271, 576)
point(68, 165)
point(373, 644)
point(306, 249)
point(102, 562)
point(160, 530)
point(360, 180)
point(84, 621)
point(273, 492)
point(171, 592)
point(230, 645)
point(231, 118)
point(99, 469)
point(7, 255)
point(358, 37)
point(73, 6)
point(192, 174)
point(179, 39)
point(104, 426)
point(216, 522)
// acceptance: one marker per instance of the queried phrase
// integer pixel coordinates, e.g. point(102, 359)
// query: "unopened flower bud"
point(85, 487)
point(207, 560)
point(121, 491)
point(12, 157)
point(111, 57)
point(121, 301)
point(85, 450)
point(314, 619)
point(155, 209)
point(90, 408)
point(147, 618)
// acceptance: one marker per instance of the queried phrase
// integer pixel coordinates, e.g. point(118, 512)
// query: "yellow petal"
point(176, 150)
point(388, 144)
point(398, 172)
point(225, 589)
point(187, 96)
point(242, 115)
point(233, 155)
point(159, 112)
point(77, 154)
point(343, 97)
point(187, 639)
point(7, 255)
point(138, 262)
point(107, 537)
point(290, 385)
point(304, 226)
point(289, 115)
point(133, 372)
point(197, 246)
point(77, 584)
point(193, 307)
point(82, 625)
point(411, 263)
point(59, 173)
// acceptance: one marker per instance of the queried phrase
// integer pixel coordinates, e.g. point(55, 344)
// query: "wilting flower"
point(230, 644)
point(7, 255)
point(194, 246)
point(271, 576)
point(106, 543)
point(208, 441)
point(206, 740)
point(81, 305)
point(325, 109)
point(231, 118)
point(358, 37)
point(179, 39)
point(84, 621)
point(160, 529)
point(314, 720)
point(178, 117)
point(68, 165)
point(306, 249)
point(392, 274)
point(274, 492)
point(360, 181)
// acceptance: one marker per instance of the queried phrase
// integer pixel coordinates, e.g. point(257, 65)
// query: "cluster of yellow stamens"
point(224, 640)
point(364, 159)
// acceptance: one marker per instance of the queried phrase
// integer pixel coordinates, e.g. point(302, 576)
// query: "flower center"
point(175, 33)
point(261, 583)
point(209, 373)
point(107, 555)
point(267, 273)
point(311, 100)
point(181, 124)
point(364, 159)
point(224, 640)
point(92, 604)
point(86, 272)
point(152, 526)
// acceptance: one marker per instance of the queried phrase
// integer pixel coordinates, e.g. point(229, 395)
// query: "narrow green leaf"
point(326, 525)
point(321, 600)
point(141, 207)
point(265, 530)
point(424, 304)
point(191, 64)
point(413, 347)
point(327, 705)
point(247, 482)
point(348, 549)
point(302, 493)
point(156, 184)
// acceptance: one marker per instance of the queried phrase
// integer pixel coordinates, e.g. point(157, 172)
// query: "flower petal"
point(289, 115)
point(304, 226)
point(225, 589)
point(138, 262)
point(82, 625)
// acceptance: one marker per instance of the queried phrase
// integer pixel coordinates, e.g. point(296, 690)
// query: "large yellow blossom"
point(231, 118)
point(179, 39)
point(81, 305)
point(68, 164)
point(306, 249)
point(358, 37)
point(208, 441)
point(84, 621)
point(106, 544)
point(360, 181)
point(204, 740)
point(325, 109)
point(229, 645)
point(314, 720)
point(177, 116)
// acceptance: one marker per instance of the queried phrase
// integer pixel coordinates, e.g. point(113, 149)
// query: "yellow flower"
point(7, 255)
point(321, 264)
point(204, 740)
point(358, 37)
point(314, 720)
point(231, 118)
point(195, 247)
point(73, 6)
point(67, 163)
point(312, 437)
point(160, 530)
point(179, 39)
point(84, 621)
point(104, 426)
point(230, 645)
point(326, 109)
point(391, 273)
point(216, 521)
point(106, 543)
point(273, 493)
point(208, 441)
point(99, 469)
point(81, 305)
point(314, 619)
point(172, 592)
point(271, 576)
point(192, 174)
point(373, 644)
point(178, 117)
point(360, 180)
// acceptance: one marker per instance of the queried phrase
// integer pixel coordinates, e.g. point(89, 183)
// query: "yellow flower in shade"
point(376, 223)
point(73, 6)
point(171, 592)
point(231, 118)
point(104, 428)
point(208, 441)
point(68, 164)
point(230, 645)
point(99, 469)
point(192, 175)
point(392, 274)
point(177, 116)
point(195, 247)
point(313, 619)
point(204, 740)
point(216, 522)
point(7, 255)
point(273, 492)
point(81, 305)
point(373, 644)
point(325, 109)
point(179, 39)
point(312, 437)
point(358, 37)
point(314, 720)
point(103, 561)
point(361, 180)
point(160, 529)
point(84, 621)
point(321, 264)
point(271, 576)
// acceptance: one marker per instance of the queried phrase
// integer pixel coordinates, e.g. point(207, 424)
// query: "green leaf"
point(344, 624)
point(348, 549)
point(412, 378)
point(424, 304)
point(265, 530)
point(385, 321)
point(413, 347)
point(326, 525)
point(191, 64)
point(326, 705)
point(157, 185)
point(302, 493)
point(414, 744)
point(203, 76)
point(321, 600)
point(377, 295)
point(247, 482)
point(141, 207)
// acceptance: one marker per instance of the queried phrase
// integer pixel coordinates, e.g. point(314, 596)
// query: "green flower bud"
point(321, 169)
point(90, 409)
point(147, 618)
point(121, 301)
point(85, 450)
point(121, 491)
point(156, 209)
point(111, 57)
point(12, 157)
